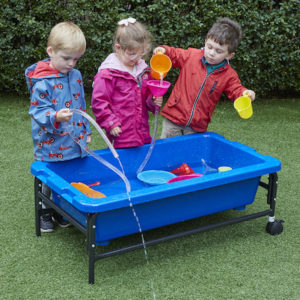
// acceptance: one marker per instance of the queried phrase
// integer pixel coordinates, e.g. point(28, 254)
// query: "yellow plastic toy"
point(83, 188)
point(243, 106)
point(224, 169)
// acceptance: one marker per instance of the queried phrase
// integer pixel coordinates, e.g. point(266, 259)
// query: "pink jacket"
point(121, 99)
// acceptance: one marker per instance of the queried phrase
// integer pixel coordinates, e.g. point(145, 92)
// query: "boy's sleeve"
point(101, 103)
point(177, 55)
point(42, 109)
point(234, 88)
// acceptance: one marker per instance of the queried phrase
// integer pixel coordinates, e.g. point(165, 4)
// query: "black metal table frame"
point(273, 226)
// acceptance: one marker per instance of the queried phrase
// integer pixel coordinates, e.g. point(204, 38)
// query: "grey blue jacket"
point(50, 92)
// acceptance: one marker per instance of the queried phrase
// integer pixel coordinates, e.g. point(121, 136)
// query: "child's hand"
point(250, 94)
point(158, 101)
point(63, 115)
point(159, 50)
point(116, 131)
point(88, 138)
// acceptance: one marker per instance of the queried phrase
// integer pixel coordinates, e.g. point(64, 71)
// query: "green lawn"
point(239, 261)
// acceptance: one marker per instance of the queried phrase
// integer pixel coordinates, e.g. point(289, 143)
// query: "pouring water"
point(161, 78)
point(121, 174)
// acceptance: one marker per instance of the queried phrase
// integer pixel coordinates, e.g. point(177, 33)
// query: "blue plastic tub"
point(163, 204)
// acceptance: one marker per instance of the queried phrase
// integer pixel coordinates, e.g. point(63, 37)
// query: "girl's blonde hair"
point(132, 36)
point(67, 36)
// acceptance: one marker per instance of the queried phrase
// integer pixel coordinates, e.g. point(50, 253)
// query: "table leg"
point(38, 205)
point(91, 227)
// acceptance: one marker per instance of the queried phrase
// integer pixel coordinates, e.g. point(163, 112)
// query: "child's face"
point(63, 60)
point(216, 53)
point(129, 57)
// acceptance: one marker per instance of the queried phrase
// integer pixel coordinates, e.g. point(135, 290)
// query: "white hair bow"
point(125, 22)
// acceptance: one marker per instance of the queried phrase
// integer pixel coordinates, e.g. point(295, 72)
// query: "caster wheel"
point(275, 227)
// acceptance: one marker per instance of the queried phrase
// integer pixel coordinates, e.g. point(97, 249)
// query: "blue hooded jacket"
point(51, 91)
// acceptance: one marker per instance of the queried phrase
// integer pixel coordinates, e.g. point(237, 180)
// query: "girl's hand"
point(116, 131)
point(63, 115)
point(250, 94)
point(159, 50)
point(158, 101)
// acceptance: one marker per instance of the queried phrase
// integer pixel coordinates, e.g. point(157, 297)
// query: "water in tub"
point(118, 172)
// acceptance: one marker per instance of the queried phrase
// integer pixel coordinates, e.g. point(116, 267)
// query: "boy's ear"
point(230, 56)
point(49, 51)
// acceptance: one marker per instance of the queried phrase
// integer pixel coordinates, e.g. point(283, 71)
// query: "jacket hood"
point(39, 71)
point(112, 62)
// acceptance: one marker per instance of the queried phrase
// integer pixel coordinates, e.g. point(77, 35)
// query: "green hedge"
point(267, 59)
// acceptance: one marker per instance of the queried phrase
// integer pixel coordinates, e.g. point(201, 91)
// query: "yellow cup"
point(160, 65)
point(243, 106)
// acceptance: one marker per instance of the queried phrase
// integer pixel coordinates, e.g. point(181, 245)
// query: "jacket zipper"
point(198, 96)
point(139, 78)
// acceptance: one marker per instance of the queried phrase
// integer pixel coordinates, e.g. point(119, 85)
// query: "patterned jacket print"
point(51, 91)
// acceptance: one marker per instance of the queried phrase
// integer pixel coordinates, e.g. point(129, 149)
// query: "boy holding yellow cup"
point(204, 75)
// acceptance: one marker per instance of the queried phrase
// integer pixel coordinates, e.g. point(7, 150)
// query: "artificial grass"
point(240, 261)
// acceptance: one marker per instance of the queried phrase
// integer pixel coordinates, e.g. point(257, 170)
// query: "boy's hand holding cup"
point(250, 94)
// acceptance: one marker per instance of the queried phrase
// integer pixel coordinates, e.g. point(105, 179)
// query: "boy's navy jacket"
point(51, 91)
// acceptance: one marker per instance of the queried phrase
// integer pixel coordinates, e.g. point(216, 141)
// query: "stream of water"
point(118, 172)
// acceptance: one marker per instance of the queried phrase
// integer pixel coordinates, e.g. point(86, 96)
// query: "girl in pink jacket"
point(121, 99)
